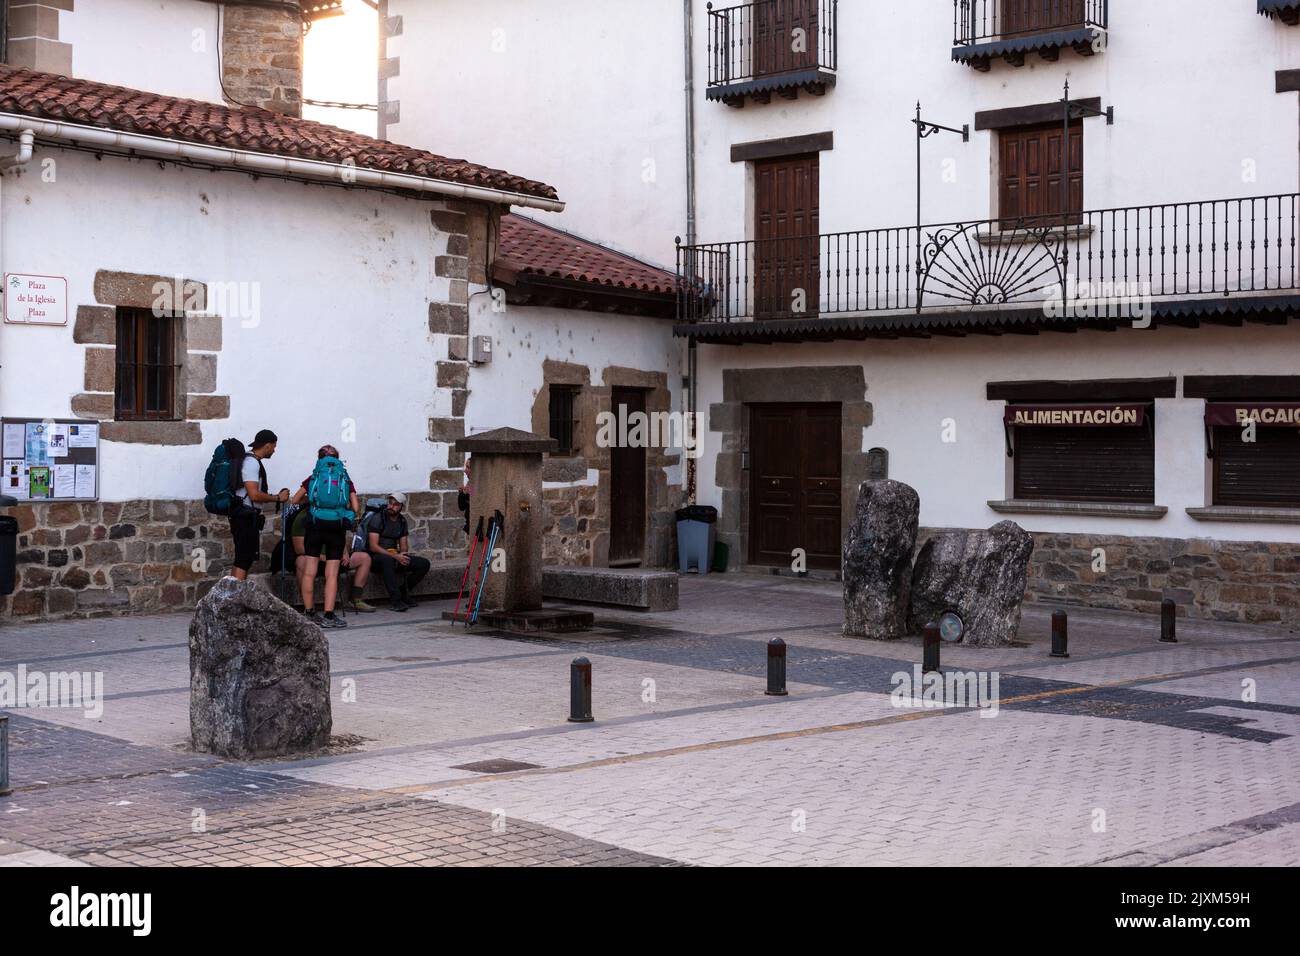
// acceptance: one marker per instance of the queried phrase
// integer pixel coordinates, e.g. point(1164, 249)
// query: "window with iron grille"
point(564, 424)
point(148, 366)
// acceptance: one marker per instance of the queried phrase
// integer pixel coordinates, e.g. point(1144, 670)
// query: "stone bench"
point(443, 580)
point(645, 590)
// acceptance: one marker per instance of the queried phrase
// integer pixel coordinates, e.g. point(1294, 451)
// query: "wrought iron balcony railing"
point(1177, 250)
point(981, 21)
point(769, 39)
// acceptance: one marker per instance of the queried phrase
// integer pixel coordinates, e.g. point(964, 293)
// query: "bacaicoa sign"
point(36, 300)
point(1282, 414)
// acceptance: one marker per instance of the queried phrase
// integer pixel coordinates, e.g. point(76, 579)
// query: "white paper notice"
point(85, 481)
point(14, 479)
point(57, 441)
point(15, 442)
point(83, 436)
point(65, 481)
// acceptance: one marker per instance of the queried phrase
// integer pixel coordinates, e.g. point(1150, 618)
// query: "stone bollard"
point(1168, 619)
point(776, 668)
point(1060, 635)
point(931, 641)
point(580, 691)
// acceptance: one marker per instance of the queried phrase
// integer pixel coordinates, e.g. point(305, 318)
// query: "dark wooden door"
point(1038, 16)
point(795, 484)
point(787, 253)
point(627, 487)
point(777, 46)
point(1031, 170)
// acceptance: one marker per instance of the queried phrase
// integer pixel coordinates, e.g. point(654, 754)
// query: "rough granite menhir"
point(978, 574)
point(259, 675)
point(878, 560)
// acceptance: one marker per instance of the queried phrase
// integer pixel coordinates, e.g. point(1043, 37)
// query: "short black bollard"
point(4, 756)
point(776, 668)
point(580, 691)
point(1168, 617)
point(1060, 635)
point(931, 643)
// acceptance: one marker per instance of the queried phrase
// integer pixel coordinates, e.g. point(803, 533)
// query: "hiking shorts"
point(325, 536)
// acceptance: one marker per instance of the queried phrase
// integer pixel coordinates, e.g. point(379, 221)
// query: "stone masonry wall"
point(261, 57)
point(1244, 581)
point(90, 559)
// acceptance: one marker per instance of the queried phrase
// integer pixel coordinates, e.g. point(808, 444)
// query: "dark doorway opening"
point(627, 494)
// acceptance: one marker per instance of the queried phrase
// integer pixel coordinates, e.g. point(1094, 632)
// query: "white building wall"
point(587, 97)
point(164, 46)
point(344, 279)
point(915, 386)
point(524, 337)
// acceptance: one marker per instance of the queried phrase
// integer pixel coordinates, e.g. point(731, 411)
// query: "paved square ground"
point(1130, 752)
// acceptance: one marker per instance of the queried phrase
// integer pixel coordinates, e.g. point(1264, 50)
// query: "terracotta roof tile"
point(47, 96)
point(528, 247)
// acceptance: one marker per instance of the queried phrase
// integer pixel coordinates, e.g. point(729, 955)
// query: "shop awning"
point(1278, 414)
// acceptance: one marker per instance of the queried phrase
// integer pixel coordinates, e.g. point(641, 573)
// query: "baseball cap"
point(399, 498)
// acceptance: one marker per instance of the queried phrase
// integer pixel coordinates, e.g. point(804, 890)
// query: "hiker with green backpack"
point(331, 508)
point(235, 487)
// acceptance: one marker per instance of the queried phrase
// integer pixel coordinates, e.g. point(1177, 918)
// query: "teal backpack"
point(222, 477)
point(329, 491)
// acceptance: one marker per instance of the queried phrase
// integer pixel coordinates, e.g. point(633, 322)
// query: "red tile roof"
point(46, 96)
point(528, 247)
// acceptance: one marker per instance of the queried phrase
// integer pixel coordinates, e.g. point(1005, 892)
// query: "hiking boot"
point(397, 604)
point(363, 608)
point(312, 617)
point(333, 621)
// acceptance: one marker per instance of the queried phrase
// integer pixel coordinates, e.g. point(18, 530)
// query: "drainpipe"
point(692, 394)
point(26, 141)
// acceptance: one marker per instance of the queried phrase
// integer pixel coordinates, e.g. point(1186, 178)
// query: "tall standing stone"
point(878, 560)
point(980, 575)
point(259, 675)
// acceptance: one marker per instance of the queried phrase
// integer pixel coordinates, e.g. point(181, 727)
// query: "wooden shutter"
point(1038, 16)
point(1085, 464)
point(775, 22)
point(787, 251)
point(1030, 171)
point(1260, 474)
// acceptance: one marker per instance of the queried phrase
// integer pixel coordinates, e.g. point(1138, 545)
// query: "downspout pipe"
point(692, 392)
point(254, 163)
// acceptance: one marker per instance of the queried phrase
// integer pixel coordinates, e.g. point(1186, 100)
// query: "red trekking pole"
point(464, 578)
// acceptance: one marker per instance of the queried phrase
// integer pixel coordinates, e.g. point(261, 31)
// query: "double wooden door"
point(795, 484)
point(787, 255)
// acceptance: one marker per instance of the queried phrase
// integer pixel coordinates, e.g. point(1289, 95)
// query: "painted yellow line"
point(768, 738)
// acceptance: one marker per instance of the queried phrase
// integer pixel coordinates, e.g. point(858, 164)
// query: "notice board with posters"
point(50, 459)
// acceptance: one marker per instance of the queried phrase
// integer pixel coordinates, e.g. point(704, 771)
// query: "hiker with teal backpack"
point(331, 507)
point(235, 487)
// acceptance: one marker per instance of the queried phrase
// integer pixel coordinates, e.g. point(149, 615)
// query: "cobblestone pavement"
point(1129, 752)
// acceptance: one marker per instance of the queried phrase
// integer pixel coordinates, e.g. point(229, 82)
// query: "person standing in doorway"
point(247, 519)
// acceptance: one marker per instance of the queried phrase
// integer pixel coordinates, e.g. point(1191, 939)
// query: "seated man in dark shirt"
point(388, 540)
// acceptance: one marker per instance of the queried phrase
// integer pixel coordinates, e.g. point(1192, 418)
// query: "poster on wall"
point(50, 459)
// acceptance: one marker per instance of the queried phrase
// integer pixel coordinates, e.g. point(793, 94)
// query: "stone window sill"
point(1097, 509)
point(1247, 515)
